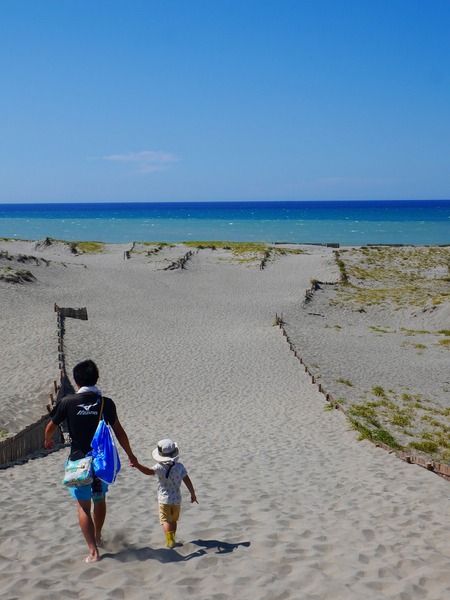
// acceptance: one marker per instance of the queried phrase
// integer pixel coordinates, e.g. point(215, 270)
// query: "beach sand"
point(291, 504)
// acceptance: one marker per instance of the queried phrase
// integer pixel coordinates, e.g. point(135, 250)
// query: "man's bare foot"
point(99, 542)
point(91, 559)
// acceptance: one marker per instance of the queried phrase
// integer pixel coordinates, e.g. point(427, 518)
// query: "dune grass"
point(86, 247)
point(10, 275)
point(412, 280)
point(245, 252)
point(408, 421)
point(402, 276)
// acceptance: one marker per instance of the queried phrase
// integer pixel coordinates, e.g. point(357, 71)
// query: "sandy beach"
point(291, 504)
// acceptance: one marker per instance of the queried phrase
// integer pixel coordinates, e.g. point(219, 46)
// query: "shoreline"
point(224, 241)
point(348, 223)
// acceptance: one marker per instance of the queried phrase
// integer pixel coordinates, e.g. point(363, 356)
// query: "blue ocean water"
point(418, 222)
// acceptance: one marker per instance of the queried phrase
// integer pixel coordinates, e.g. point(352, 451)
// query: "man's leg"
point(99, 489)
point(99, 519)
point(88, 529)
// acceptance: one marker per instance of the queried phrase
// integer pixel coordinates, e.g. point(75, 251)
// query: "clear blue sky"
point(184, 100)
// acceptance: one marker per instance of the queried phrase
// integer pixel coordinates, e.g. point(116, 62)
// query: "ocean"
point(416, 222)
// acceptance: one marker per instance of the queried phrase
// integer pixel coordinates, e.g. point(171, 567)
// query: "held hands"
point(133, 461)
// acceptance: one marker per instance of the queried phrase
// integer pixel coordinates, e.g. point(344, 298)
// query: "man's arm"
point(48, 435)
point(122, 438)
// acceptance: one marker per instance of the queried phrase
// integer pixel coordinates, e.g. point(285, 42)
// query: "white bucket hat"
point(166, 451)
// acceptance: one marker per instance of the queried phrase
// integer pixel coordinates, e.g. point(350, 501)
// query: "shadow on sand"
point(222, 547)
point(164, 555)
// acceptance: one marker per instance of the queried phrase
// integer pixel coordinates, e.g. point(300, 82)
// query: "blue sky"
point(184, 100)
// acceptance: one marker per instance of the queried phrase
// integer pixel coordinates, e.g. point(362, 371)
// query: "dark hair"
point(85, 373)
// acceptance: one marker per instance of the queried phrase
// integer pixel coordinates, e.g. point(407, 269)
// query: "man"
point(81, 410)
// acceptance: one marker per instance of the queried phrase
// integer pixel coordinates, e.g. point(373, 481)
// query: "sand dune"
point(291, 505)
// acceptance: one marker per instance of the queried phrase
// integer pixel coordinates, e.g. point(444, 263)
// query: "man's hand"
point(133, 460)
point(48, 435)
point(49, 444)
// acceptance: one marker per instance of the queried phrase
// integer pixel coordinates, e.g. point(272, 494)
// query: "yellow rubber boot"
point(170, 539)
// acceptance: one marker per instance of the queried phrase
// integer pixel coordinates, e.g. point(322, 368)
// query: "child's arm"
point(143, 469)
point(190, 487)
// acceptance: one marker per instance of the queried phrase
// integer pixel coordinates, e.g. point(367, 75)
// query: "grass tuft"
point(379, 391)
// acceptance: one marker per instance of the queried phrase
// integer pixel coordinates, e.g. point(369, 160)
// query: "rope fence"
point(180, 263)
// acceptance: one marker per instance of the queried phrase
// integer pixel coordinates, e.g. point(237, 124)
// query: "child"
point(170, 474)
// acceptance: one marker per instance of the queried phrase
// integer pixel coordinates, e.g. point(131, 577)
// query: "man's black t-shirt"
point(82, 414)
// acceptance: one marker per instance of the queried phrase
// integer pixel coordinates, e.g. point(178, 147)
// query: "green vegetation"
point(237, 248)
point(10, 275)
point(158, 244)
point(412, 280)
point(414, 331)
point(149, 248)
point(431, 420)
point(86, 247)
point(75, 247)
point(402, 276)
point(344, 381)
point(401, 418)
point(426, 446)
point(379, 330)
point(376, 434)
point(368, 417)
point(283, 251)
point(379, 391)
point(245, 252)
point(411, 422)
point(342, 268)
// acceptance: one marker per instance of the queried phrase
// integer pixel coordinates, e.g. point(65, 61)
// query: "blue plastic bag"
point(105, 458)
